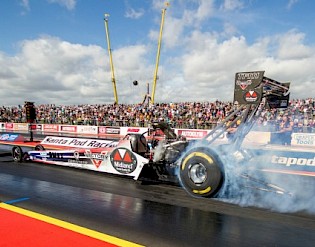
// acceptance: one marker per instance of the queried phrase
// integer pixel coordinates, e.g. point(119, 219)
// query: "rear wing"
point(253, 87)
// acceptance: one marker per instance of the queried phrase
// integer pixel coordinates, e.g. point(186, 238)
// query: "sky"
point(55, 51)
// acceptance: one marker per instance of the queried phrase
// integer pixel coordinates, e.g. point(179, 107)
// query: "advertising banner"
point(68, 128)
point(50, 127)
point(258, 137)
point(102, 130)
point(2, 126)
point(192, 133)
point(86, 129)
point(10, 137)
point(21, 127)
point(9, 126)
point(38, 127)
point(246, 90)
point(139, 130)
point(303, 139)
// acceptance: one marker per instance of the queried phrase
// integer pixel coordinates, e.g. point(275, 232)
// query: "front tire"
point(201, 172)
point(17, 154)
point(39, 147)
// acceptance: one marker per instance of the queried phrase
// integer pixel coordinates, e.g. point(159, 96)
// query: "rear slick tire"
point(201, 172)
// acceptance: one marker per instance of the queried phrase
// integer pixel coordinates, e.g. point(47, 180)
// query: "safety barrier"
point(298, 139)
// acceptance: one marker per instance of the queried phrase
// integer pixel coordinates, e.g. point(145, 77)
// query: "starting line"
point(23, 228)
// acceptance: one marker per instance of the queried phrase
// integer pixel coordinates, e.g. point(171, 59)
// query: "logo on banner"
point(251, 96)
point(96, 158)
point(8, 137)
point(244, 84)
point(133, 130)
point(123, 160)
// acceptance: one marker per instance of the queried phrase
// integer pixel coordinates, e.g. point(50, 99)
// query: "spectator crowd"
point(193, 115)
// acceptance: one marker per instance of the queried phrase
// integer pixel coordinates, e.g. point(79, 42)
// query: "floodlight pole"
point(158, 54)
point(110, 58)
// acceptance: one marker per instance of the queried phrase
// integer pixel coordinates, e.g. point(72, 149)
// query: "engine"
point(173, 151)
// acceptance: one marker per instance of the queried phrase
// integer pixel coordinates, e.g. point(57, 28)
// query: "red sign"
point(9, 126)
point(133, 130)
point(68, 128)
point(102, 130)
point(51, 128)
point(33, 127)
point(194, 134)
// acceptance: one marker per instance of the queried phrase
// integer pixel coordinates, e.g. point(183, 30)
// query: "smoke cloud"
point(247, 184)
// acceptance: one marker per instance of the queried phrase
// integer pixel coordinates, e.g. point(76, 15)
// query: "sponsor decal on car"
point(96, 158)
point(78, 142)
point(77, 160)
point(123, 160)
point(292, 161)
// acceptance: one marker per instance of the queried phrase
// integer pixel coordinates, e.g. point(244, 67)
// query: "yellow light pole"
point(158, 53)
point(110, 58)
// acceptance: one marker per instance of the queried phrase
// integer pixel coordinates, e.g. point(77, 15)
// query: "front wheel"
point(39, 147)
point(201, 172)
point(17, 154)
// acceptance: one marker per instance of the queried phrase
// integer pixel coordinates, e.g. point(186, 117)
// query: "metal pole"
point(158, 55)
point(110, 58)
point(148, 93)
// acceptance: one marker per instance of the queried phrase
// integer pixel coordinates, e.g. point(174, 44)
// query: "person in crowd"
point(231, 130)
point(179, 115)
point(285, 129)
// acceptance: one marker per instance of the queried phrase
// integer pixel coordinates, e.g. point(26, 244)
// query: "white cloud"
point(25, 4)
point(230, 5)
point(49, 70)
point(204, 10)
point(291, 3)
point(69, 4)
point(197, 63)
point(291, 46)
point(207, 69)
point(134, 14)
point(160, 4)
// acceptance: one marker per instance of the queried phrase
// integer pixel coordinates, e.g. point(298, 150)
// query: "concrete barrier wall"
point(259, 137)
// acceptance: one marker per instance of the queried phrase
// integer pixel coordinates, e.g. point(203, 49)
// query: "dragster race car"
point(134, 155)
point(205, 167)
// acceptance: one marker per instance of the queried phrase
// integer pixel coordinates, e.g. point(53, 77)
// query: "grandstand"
point(191, 115)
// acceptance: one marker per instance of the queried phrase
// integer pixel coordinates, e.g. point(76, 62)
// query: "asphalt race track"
point(150, 215)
